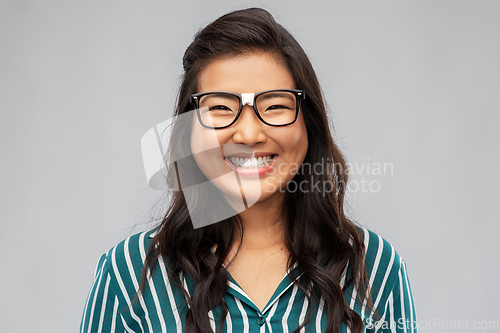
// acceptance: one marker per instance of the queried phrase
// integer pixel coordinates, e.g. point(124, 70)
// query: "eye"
point(220, 107)
point(277, 107)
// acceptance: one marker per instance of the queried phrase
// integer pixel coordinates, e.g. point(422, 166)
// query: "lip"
point(252, 172)
point(250, 155)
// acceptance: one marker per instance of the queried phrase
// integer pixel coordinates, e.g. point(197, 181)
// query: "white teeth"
point(251, 163)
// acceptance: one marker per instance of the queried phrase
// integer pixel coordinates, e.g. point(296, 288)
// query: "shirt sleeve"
point(399, 315)
point(101, 309)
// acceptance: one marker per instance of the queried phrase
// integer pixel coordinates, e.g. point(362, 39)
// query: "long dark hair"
point(319, 237)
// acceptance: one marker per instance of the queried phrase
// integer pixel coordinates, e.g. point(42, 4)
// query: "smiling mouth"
point(251, 163)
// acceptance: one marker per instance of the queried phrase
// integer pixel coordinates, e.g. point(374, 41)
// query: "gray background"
point(415, 84)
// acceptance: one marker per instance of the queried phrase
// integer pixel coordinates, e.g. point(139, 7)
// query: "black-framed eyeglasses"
point(221, 109)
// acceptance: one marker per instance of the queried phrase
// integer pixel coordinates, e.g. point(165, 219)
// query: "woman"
point(255, 238)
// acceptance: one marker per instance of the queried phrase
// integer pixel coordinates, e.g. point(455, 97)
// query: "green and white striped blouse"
point(110, 306)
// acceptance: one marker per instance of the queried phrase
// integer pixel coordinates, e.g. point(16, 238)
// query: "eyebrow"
point(277, 94)
point(221, 95)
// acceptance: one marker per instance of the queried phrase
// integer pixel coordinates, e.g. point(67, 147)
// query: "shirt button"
point(261, 321)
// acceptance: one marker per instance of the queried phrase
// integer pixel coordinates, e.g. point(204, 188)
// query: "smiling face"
point(279, 151)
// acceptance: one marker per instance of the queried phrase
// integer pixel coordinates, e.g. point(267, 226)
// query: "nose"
point(248, 129)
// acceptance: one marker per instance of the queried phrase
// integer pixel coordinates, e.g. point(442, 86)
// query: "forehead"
point(252, 72)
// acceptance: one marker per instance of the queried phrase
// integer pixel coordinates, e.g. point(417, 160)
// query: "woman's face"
point(283, 149)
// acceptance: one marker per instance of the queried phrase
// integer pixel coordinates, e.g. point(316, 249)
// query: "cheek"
point(206, 149)
point(302, 140)
point(294, 141)
point(203, 140)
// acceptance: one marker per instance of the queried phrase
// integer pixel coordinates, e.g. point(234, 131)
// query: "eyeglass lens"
point(275, 108)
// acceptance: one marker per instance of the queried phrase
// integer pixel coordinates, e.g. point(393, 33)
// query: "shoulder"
point(115, 284)
point(382, 262)
point(386, 273)
point(124, 261)
point(133, 249)
point(379, 252)
point(389, 284)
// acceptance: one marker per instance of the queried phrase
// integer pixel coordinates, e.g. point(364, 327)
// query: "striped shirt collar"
point(238, 292)
point(235, 290)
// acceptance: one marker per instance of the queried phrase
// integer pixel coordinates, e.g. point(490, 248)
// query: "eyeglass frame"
point(248, 99)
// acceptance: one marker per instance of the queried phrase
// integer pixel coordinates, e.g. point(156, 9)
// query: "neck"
point(263, 227)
